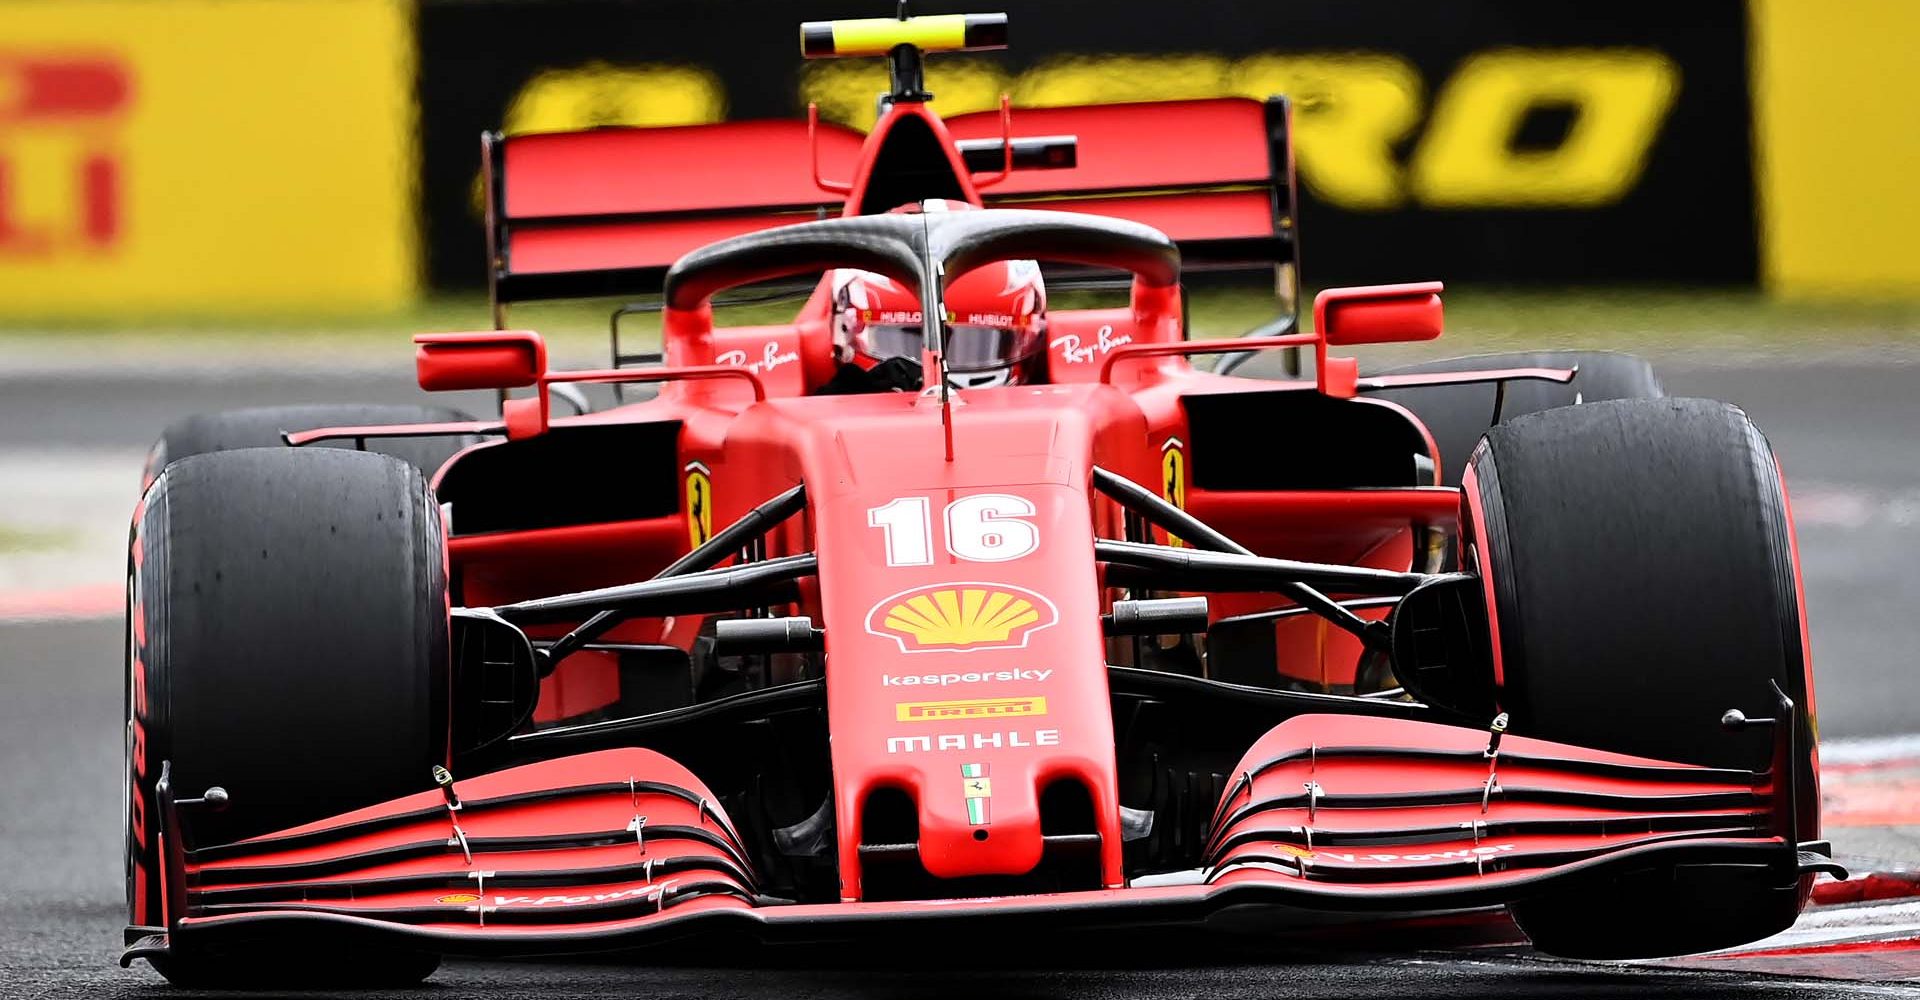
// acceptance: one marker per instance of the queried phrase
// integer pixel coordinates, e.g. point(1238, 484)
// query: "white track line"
point(1870, 749)
point(1819, 504)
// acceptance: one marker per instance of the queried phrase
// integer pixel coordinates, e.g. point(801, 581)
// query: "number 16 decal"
point(985, 527)
point(908, 530)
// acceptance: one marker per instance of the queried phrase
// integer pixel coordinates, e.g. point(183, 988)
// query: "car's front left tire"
point(1639, 564)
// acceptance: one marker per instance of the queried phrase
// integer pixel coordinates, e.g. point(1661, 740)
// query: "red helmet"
point(996, 321)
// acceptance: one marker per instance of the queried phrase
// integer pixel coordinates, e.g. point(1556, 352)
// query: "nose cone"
point(966, 669)
point(985, 820)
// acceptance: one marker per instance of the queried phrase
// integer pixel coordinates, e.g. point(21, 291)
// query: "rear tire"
point(288, 643)
point(1640, 562)
point(1457, 415)
point(230, 430)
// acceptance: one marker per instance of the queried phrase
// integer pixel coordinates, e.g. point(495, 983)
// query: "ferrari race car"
point(807, 646)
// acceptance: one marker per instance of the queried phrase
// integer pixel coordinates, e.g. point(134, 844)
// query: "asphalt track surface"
point(1846, 436)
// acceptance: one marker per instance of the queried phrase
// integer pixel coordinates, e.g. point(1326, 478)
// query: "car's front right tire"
point(287, 643)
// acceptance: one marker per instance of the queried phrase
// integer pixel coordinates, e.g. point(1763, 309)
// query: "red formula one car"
point(866, 621)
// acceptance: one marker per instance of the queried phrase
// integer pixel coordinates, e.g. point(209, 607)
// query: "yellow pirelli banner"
point(1836, 110)
point(205, 157)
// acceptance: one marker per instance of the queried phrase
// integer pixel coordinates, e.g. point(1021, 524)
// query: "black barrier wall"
point(1470, 140)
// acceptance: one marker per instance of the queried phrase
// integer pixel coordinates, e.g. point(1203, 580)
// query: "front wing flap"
point(620, 847)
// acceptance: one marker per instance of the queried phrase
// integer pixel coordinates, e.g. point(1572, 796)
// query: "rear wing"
point(1215, 175)
point(606, 211)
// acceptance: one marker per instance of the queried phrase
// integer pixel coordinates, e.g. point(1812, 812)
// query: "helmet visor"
point(969, 348)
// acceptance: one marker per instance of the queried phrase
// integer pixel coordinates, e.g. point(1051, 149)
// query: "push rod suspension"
point(1183, 525)
point(753, 524)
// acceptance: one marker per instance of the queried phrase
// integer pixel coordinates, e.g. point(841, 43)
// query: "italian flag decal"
point(978, 788)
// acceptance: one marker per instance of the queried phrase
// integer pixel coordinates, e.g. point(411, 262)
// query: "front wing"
point(617, 848)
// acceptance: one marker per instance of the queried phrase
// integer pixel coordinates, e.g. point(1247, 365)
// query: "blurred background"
point(216, 203)
point(278, 164)
point(208, 203)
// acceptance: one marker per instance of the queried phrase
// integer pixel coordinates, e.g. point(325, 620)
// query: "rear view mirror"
point(499, 359)
point(1379, 314)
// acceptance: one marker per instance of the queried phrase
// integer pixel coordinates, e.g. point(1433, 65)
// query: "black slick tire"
point(1640, 563)
point(287, 642)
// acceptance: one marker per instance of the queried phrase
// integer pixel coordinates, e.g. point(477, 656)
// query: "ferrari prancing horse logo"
point(1173, 477)
point(699, 504)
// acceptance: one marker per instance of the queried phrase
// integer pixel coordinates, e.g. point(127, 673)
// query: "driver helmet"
point(996, 319)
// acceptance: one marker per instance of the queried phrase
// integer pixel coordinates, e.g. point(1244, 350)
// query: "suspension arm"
point(753, 524)
point(754, 584)
point(1181, 524)
point(1170, 568)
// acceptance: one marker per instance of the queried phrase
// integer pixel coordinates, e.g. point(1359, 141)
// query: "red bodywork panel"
point(552, 184)
point(875, 604)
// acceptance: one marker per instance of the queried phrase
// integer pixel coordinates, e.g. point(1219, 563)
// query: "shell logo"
point(961, 617)
point(458, 897)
